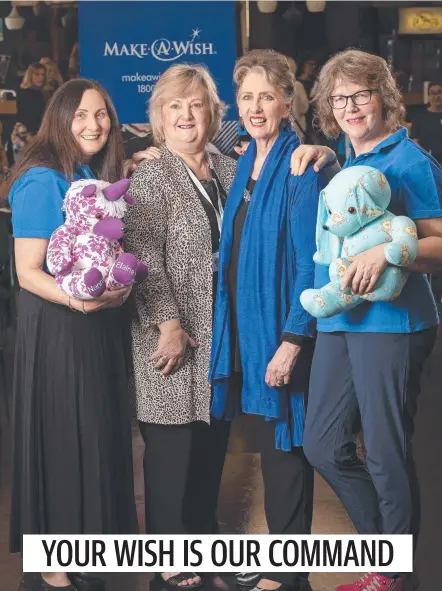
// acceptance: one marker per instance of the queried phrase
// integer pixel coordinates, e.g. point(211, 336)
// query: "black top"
point(232, 271)
point(308, 85)
point(212, 188)
point(30, 108)
point(427, 129)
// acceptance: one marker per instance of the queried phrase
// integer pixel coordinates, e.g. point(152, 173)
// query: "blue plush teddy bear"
point(353, 217)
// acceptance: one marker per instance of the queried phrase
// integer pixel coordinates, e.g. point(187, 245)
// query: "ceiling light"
point(14, 22)
point(315, 5)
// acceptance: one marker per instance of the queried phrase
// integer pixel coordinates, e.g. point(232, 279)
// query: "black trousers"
point(288, 490)
point(288, 494)
point(182, 474)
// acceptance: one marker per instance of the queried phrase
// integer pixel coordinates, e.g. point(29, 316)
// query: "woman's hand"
point(172, 344)
point(365, 270)
point(280, 368)
point(305, 154)
point(151, 153)
point(241, 149)
point(109, 299)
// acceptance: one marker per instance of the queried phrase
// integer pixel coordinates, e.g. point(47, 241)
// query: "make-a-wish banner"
point(127, 45)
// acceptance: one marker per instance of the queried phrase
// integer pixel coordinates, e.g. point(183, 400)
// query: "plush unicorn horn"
point(116, 190)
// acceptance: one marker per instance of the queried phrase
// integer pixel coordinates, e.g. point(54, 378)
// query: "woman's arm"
point(299, 323)
point(367, 267)
point(30, 256)
point(323, 158)
point(421, 186)
point(429, 258)
point(132, 164)
point(145, 236)
point(303, 232)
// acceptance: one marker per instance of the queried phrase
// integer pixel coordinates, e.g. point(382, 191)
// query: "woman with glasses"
point(368, 361)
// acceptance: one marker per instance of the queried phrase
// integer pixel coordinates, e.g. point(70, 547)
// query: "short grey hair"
point(273, 65)
point(178, 81)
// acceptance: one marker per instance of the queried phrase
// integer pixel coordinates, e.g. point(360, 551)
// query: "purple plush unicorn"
point(85, 255)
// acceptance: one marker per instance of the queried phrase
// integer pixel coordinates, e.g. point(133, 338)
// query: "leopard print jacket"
point(168, 229)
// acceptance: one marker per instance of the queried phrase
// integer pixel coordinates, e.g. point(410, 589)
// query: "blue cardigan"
point(275, 265)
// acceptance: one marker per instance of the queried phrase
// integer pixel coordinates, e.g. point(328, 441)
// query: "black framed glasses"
point(362, 97)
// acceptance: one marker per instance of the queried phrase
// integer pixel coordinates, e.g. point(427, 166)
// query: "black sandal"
point(247, 579)
point(174, 582)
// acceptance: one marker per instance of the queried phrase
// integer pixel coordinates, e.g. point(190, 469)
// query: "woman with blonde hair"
point(30, 99)
point(368, 361)
point(301, 104)
point(175, 225)
point(53, 77)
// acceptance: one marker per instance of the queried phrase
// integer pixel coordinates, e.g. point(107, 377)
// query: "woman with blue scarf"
point(263, 339)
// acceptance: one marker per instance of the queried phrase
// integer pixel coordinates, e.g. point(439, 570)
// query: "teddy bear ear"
point(88, 191)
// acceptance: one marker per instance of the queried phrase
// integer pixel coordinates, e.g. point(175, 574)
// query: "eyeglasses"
point(435, 92)
point(362, 97)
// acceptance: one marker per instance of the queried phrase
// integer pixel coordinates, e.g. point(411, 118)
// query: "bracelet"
point(70, 305)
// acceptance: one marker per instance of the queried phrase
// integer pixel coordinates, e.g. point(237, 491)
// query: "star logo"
point(195, 33)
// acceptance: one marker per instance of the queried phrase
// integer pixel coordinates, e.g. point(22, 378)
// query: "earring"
point(241, 127)
point(285, 126)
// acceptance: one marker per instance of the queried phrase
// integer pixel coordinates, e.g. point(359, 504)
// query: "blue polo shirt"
point(36, 200)
point(415, 179)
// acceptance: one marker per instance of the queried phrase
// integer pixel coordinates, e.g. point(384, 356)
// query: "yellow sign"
point(420, 21)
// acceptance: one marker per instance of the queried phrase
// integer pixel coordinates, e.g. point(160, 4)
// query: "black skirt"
point(72, 471)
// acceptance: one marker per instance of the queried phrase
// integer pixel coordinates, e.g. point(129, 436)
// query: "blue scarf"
point(265, 287)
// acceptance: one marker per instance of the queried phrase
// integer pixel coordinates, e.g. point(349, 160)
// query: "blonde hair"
point(178, 81)
point(358, 67)
point(32, 69)
point(51, 66)
point(273, 65)
point(292, 64)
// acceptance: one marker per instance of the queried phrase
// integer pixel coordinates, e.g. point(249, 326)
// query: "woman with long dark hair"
point(72, 456)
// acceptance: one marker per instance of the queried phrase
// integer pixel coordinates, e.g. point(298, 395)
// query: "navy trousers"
point(370, 380)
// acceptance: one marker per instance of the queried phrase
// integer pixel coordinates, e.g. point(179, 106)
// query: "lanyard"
point(219, 214)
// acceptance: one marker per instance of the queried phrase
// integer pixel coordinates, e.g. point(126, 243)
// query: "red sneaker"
point(374, 582)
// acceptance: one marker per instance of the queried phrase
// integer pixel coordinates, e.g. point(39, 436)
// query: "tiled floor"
point(241, 502)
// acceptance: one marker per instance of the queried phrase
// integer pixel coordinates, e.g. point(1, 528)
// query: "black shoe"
point(87, 582)
point(39, 584)
point(247, 579)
